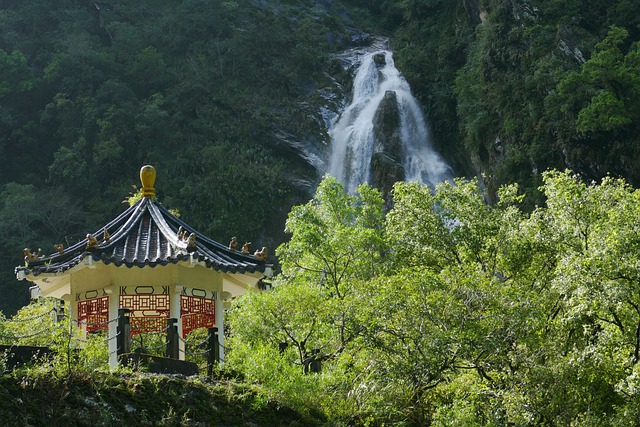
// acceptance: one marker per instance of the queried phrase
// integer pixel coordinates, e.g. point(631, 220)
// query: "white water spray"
point(352, 134)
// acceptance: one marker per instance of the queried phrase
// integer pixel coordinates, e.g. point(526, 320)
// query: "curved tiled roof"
point(147, 235)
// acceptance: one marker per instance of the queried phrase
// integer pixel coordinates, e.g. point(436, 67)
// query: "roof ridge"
point(141, 240)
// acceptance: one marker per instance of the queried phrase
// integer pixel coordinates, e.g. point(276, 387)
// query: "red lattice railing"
point(197, 313)
point(148, 313)
point(94, 313)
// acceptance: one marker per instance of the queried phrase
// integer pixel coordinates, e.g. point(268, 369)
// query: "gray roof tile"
point(146, 235)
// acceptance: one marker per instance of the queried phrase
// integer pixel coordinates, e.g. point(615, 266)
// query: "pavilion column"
point(175, 313)
point(114, 305)
point(219, 312)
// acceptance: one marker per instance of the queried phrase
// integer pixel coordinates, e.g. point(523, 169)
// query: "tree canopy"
point(451, 310)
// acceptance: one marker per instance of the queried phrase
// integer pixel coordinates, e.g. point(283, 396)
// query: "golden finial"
point(148, 179)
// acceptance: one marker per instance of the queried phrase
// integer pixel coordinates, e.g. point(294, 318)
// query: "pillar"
point(175, 313)
point(213, 349)
point(220, 324)
point(114, 305)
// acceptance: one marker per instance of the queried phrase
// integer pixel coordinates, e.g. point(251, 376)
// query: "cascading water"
point(353, 136)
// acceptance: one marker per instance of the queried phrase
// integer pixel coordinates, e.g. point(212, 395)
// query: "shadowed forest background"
point(219, 96)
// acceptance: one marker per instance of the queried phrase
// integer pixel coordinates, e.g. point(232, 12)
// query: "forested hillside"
point(221, 95)
point(513, 88)
point(209, 92)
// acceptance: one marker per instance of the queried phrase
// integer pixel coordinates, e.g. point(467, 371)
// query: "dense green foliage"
point(445, 310)
point(449, 311)
point(523, 86)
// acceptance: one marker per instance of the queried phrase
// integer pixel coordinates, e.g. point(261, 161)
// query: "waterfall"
point(352, 133)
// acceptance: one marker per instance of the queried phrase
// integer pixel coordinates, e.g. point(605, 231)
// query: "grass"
point(111, 399)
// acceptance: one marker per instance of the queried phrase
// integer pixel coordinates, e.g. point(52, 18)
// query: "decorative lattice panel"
point(94, 313)
point(141, 325)
point(148, 312)
point(196, 313)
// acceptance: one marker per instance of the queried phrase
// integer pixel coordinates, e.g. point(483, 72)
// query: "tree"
point(18, 213)
point(16, 75)
point(458, 298)
point(611, 79)
point(597, 322)
point(471, 313)
point(313, 314)
point(334, 251)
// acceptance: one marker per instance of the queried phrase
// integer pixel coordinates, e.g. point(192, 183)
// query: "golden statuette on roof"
point(148, 179)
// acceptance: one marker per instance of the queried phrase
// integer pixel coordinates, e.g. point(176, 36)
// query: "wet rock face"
point(379, 60)
point(386, 162)
point(473, 10)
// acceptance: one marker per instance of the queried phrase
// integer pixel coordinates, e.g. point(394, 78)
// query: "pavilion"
point(151, 262)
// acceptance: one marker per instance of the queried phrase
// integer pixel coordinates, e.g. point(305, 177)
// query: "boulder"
point(387, 160)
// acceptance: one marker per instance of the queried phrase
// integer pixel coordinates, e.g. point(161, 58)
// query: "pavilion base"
point(158, 365)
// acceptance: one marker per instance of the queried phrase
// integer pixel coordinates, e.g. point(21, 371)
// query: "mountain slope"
point(221, 96)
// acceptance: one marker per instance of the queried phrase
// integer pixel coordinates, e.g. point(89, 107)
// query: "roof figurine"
point(92, 242)
point(233, 244)
point(28, 255)
point(262, 253)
